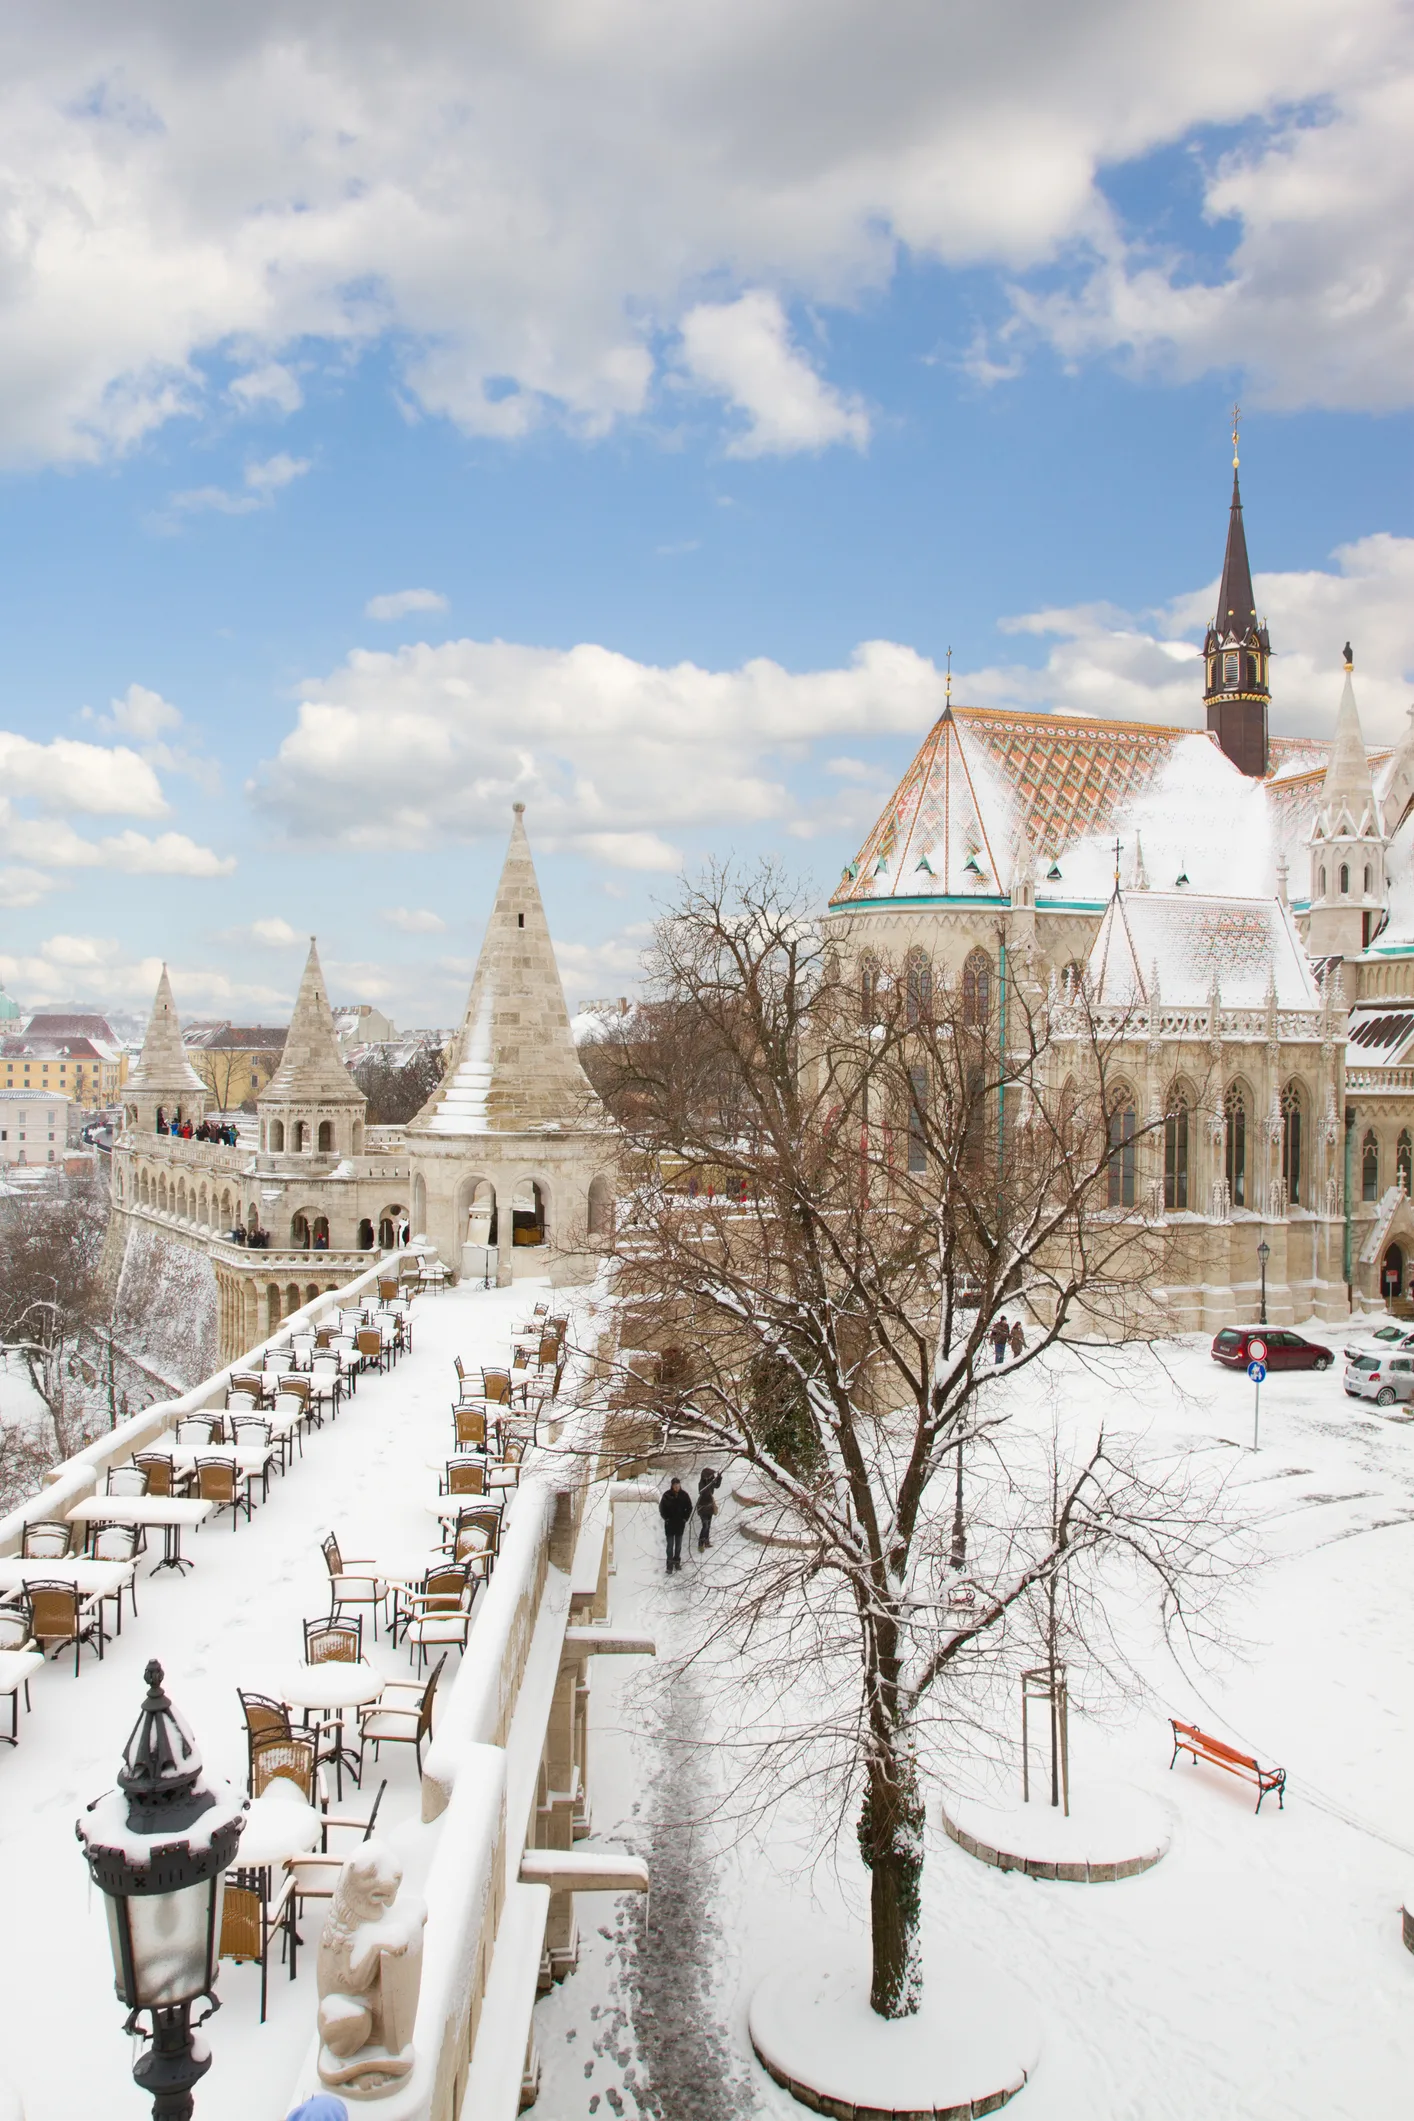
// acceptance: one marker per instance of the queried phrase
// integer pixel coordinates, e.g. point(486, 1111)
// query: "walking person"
point(1018, 1338)
point(1000, 1337)
point(675, 1508)
point(707, 1486)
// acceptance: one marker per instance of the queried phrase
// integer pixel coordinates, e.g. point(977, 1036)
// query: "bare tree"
point(397, 1094)
point(51, 1246)
point(850, 1170)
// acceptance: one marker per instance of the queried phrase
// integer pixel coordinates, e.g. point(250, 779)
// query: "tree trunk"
point(891, 1842)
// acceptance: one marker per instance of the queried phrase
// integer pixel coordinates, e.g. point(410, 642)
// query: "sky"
point(623, 409)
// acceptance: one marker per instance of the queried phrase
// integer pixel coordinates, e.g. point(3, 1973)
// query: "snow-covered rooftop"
point(1179, 943)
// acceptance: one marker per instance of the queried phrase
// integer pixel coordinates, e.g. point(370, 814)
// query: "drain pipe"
point(1349, 1245)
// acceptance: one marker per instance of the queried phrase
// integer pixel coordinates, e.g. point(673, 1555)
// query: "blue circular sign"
point(1257, 1371)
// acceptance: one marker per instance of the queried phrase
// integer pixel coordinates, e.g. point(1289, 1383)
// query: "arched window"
point(365, 1235)
point(299, 1232)
point(1345, 879)
point(277, 1136)
point(1370, 1168)
point(917, 1126)
point(1253, 672)
point(919, 987)
point(1235, 1113)
point(601, 1206)
point(868, 993)
point(301, 1135)
point(1123, 1161)
point(1369, 880)
point(976, 989)
point(1403, 1160)
point(1230, 669)
point(1323, 882)
point(1176, 1153)
point(326, 1136)
point(1291, 1143)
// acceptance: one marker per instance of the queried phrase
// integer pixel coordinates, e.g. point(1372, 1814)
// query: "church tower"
point(1237, 653)
point(163, 1089)
point(1348, 843)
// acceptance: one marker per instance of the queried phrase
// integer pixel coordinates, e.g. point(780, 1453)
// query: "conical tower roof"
point(163, 1070)
point(1237, 606)
point(514, 1068)
point(312, 1071)
point(1348, 785)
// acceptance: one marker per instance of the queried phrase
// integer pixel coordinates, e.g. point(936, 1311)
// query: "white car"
point(1381, 1340)
point(1384, 1377)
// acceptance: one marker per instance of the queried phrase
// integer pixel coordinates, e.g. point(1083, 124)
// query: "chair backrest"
point(461, 1373)
point(289, 1403)
point(541, 1311)
point(45, 1542)
point(249, 1428)
point(241, 1402)
point(471, 1542)
point(246, 1381)
point(14, 1629)
point(387, 1290)
point(324, 1369)
point(496, 1384)
point(291, 1756)
point(512, 1452)
point(293, 1386)
point(196, 1428)
point(549, 1351)
point(333, 1641)
point(302, 1346)
point(323, 1337)
point(446, 1586)
point(486, 1521)
point(115, 1542)
point(329, 1548)
point(127, 1480)
point(471, 1425)
point(465, 1477)
point(264, 1716)
point(424, 1714)
point(158, 1471)
point(370, 1341)
point(53, 1611)
point(215, 1480)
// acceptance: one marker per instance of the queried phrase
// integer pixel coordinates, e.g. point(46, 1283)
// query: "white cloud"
point(526, 204)
point(262, 482)
point(590, 970)
point(141, 712)
point(275, 933)
point(741, 351)
point(413, 920)
point(103, 968)
point(613, 756)
point(68, 775)
point(53, 844)
point(23, 887)
point(399, 602)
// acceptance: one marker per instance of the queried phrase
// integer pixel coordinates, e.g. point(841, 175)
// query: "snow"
point(1256, 1974)
point(1187, 941)
point(237, 1614)
point(1107, 1824)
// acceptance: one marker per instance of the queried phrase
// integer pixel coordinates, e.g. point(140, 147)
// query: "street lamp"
point(158, 1849)
point(1264, 1253)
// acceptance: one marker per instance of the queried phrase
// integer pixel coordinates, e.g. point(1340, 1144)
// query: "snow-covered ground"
point(1255, 1974)
point(235, 1616)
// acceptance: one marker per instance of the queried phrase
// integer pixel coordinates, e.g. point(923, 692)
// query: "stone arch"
point(319, 1233)
point(419, 1205)
point(299, 1132)
point(311, 1293)
point(1370, 1166)
point(530, 1211)
point(162, 1193)
point(1403, 1158)
point(292, 1299)
point(181, 1203)
point(326, 1137)
point(1238, 1109)
point(301, 1231)
point(277, 1136)
point(1178, 1129)
point(976, 989)
point(388, 1224)
point(477, 1215)
point(365, 1235)
point(1294, 1140)
point(201, 1207)
point(252, 1219)
point(225, 1210)
point(918, 986)
point(868, 990)
point(601, 1205)
point(272, 1308)
point(1122, 1176)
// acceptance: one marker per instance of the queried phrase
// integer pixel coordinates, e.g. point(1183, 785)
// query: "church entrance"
point(1392, 1274)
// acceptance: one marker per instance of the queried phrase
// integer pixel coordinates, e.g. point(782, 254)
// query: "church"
point(1236, 907)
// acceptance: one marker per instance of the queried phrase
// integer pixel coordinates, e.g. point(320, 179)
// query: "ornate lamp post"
point(158, 1849)
point(1264, 1253)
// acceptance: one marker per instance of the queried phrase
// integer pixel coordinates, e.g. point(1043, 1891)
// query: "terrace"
point(505, 1767)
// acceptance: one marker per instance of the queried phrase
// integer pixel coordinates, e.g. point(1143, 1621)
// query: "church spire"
point(1237, 650)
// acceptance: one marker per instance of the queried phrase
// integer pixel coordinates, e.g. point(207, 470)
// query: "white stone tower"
point(164, 1084)
point(513, 1150)
point(1348, 843)
point(311, 1105)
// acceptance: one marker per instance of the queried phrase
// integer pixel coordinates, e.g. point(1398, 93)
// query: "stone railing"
point(191, 1155)
point(1192, 1023)
point(1388, 1079)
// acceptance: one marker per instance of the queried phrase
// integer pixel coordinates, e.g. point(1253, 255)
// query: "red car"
point(1285, 1351)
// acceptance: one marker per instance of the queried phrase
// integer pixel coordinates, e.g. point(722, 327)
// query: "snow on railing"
point(78, 1476)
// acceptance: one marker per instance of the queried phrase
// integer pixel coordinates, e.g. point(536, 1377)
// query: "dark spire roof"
point(1237, 607)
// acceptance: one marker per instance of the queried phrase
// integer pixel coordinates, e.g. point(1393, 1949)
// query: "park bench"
point(1187, 1738)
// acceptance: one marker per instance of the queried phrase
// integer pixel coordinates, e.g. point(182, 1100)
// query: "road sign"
point(1256, 1351)
point(1257, 1371)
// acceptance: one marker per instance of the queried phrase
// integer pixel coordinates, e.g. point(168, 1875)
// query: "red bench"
point(1187, 1738)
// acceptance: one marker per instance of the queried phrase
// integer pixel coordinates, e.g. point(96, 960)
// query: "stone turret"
point(512, 1155)
point(164, 1088)
point(311, 1104)
point(1347, 843)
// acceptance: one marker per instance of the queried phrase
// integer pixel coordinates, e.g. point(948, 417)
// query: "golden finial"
point(949, 679)
point(1236, 423)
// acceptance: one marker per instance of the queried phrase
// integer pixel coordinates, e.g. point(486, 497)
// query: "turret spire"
point(1237, 650)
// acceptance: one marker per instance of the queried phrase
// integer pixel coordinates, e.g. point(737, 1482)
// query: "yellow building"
point(75, 1055)
point(235, 1061)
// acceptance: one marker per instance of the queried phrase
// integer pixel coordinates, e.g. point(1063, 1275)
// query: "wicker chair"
point(248, 1381)
point(402, 1715)
point(218, 1481)
point(464, 1476)
point(198, 1428)
point(477, 1531)
point(46, 1540)
point(496, 1386)
point(439, 1615)
point(351, 1586)
point(15, 1635)
point(127, 1480)
point(162, 1479)
point(59, 1615)
point(123, 1543)
point(369, 1342)
point(257, 1906)
point(315, 1876)
point(250, 1428)
point(296, 1757)
point(333, 1641)
point(470, 1425)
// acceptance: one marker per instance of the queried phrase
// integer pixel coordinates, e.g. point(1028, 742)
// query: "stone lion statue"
point(370, 1971)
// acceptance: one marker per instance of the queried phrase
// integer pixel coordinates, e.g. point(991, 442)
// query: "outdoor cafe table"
point(91, 1579)
point(276, 1826)
point(171, 1512)
point(252, 1460)
point(332, 1685)
point(17, 1667)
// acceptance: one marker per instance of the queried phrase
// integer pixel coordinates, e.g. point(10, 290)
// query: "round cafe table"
point(277, 1825)
point(332, 1687)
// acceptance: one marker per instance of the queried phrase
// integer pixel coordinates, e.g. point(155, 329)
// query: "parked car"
point(1383, 1377)
point(1381, 1338)
point(1285, 1351)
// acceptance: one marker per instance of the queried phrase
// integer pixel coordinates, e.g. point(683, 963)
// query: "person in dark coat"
point(707, 1486)
point(1001, 1333)
point(675, 1508)
point(1018, 1338)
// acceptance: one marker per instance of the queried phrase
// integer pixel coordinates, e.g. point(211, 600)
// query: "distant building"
point(34, 1126)
point(62, 1053)
point(10, 1011)
point(235, 1061)
point(360, 1024)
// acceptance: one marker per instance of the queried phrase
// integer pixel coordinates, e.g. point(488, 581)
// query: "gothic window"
point(1230, 669)
point(1253, 677)
point(1235, 1112)
point(1368, 879)
point(919, 987)
point(277, 1135)
point(976, 990)
point(1291, 1143)
point(1176, 1154)
point(326, 1135)
point(1345, 879)
point(1122, 1161)
point(868, 993)
point(1212, 673)
point(917, 1131)
point(1323, 883)
point(1403, 1159)
point(1370, 1168)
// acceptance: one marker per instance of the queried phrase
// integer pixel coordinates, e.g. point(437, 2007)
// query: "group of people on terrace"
point(205, 1130)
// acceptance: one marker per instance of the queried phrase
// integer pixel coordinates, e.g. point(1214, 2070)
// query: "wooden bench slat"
point(1188, 1738)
